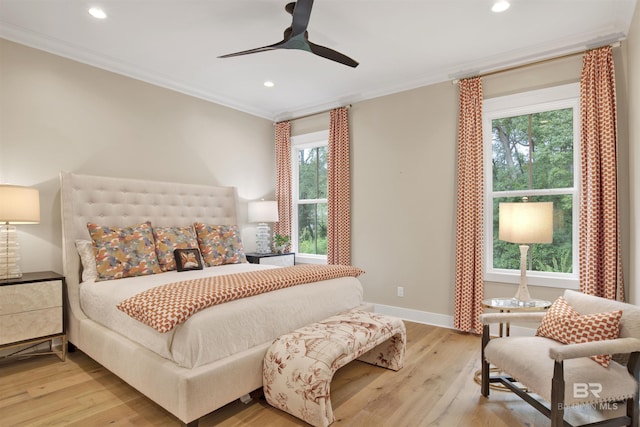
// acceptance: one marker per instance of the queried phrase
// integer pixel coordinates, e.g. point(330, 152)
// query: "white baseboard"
point(442, 320)
point(417, 316)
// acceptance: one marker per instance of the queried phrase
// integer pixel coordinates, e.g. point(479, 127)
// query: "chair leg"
point(633, 404)
point(557, 395)
point(632, 411)
point(485, 365)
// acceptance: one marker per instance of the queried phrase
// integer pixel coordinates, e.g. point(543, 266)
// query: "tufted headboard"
point(125, 202)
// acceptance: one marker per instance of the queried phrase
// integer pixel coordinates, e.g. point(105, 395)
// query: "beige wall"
point(57, 114)
point(404, 156)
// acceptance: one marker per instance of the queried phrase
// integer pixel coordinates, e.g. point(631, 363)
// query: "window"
point(309, 196)
point(531, 143)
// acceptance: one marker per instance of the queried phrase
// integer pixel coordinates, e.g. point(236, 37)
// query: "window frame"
point(298, 142)
point(553, 98)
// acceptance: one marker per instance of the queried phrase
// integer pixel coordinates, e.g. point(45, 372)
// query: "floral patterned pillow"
point(124, 252)
point(220, 244)
point(169, 239)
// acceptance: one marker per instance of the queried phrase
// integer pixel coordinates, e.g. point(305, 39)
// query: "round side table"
point(511, 304)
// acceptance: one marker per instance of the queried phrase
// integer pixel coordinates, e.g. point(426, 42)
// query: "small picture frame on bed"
point(187, 259)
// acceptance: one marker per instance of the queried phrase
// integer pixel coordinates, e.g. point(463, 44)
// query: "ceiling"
point(400, 44)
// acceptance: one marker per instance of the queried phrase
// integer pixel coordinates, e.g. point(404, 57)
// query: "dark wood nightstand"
point(283, 260)
point(32, 312)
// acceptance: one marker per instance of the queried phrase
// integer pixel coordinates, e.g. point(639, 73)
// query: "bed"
point(179, 370)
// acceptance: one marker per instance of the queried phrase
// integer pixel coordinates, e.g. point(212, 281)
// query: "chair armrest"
point(488, 318)
point(594, 348)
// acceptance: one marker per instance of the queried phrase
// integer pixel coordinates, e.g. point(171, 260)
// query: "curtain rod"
point(316, 113)
point(528, 64)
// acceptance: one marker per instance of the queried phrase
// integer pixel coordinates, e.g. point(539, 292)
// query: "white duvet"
point(221, 330)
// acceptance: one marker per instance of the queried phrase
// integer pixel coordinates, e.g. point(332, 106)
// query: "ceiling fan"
point(297, 37)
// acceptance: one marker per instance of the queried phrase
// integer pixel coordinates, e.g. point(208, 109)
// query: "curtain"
point(283, 178)
point(469, 286)
point(339, 190)
point(600, 257)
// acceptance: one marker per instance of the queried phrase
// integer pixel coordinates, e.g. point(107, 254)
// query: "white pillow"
point(88, 259)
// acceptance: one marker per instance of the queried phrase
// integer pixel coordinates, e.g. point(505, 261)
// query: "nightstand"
point(282, 260)
point(32, 312)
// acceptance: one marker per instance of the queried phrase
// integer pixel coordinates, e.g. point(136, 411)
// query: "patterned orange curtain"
point(339, 190)
point(469, 289)
point(283, 178)
point(600, 257)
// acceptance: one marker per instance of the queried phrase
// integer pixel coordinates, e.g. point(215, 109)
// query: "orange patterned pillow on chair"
point(564, 324)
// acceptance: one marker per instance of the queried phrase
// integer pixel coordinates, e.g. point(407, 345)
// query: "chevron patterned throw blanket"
point(166, 306)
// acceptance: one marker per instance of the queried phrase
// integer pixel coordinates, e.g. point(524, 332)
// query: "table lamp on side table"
point(263, 212)
point(18, 205)
point(525, 223)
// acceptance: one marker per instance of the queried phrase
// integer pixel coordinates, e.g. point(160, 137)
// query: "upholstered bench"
point(299, 366)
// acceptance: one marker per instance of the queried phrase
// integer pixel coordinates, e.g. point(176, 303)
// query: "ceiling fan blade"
point(255, 50)
point(301, 14)
point(331, 54)
point(300, 17)
point(296, 37)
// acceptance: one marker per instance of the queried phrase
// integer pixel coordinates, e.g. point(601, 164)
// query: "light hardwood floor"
point(435, 388)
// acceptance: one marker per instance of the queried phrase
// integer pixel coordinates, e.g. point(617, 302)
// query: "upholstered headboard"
point(125, 202)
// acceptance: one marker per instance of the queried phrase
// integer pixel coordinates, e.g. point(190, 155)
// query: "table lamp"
point(18, 205)
point(263, 212)
point(525, 223)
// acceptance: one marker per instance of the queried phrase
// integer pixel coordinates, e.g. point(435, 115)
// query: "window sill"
point(533, 279)
point(310, 259)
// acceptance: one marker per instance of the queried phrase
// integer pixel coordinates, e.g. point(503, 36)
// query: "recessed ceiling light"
point(269, 83)
point(500, 6)
point(97, 13)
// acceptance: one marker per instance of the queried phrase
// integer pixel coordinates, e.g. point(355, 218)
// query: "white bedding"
point(224, 329)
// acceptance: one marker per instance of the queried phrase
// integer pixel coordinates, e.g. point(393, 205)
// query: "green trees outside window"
point(534, 153)
point(312, 200)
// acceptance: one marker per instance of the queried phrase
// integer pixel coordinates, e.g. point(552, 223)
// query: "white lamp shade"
point(263, 211)
point(526, 222)
point(19, 205)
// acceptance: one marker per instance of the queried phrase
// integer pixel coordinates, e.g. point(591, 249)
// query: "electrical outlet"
point(400, 291)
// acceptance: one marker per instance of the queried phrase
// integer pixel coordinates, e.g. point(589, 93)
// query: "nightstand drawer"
point(30, 324)
point(30, 296)
point(281, 260)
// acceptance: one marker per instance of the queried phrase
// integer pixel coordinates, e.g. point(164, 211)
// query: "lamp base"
point(522, 294)
point(9, 253)
point(263, 238)
point(10, 274)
